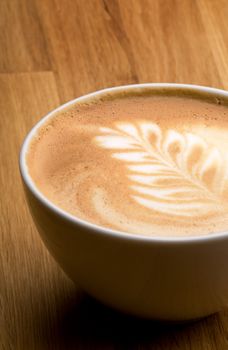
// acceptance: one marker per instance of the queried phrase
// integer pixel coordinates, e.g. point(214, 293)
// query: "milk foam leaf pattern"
point(169, 172)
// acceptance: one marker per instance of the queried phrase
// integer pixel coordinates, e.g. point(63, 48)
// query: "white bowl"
point(161, 278)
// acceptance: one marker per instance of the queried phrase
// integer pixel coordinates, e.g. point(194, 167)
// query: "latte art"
point(172, 173)
point(152, 165)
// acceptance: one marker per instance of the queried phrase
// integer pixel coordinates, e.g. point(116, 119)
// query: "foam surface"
point(151, 165)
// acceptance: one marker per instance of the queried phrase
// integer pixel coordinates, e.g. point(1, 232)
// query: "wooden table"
point(52, 51)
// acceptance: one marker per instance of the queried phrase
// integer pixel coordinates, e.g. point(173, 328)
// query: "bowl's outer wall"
point(157, 279)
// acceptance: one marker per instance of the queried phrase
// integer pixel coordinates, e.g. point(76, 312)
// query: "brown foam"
point(151, 165)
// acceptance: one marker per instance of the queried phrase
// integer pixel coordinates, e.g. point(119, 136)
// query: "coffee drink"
point(151, 162)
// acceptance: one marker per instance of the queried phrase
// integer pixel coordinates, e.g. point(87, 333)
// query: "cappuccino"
point(153, 163)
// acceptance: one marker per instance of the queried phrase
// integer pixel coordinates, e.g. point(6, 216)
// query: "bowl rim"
point(97, 229)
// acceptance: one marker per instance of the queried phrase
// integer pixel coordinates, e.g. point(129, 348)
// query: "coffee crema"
point(150, 164)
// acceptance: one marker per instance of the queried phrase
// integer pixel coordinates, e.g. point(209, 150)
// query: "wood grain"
point(23, 44)
point(52, 51)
